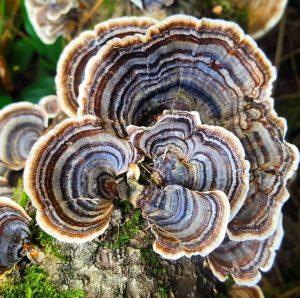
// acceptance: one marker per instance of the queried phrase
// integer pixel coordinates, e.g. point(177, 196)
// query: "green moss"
point(125, 206)
point(34, 283)
point(130, 228)
point(152, 261)
point(50, 246)
point(229, 282)
point(20, 195)
point(162, 292)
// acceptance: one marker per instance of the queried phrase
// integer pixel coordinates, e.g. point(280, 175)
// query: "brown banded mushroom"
point(244, 260)
point(211, 67)
point(199, 157)
point(71, 175)
point(48, 18)
point(14, 232)
point(50, 105)
point(21, 125)
point(184, 222)
point(182, 63)
point(246, 292)
point(273, 161)
point(263, 14)
point(72, 63)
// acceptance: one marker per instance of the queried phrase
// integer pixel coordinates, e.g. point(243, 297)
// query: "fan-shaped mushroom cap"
point(182, 63)
point(244, 259)
point(5, 189)
point(21, 124)
point(152, 4)
point(246, 292)
point(51, 105)
point(185, 222)
point(14, 232)
point(273, 161)
point(72, 63)
point(48, 18)
point(197, 156)
point(70, 177)
point(263, 14)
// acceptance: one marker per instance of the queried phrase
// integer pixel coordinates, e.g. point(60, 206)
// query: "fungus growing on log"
point(244, 260)
point(50, 105)
point(72, 63)
point(21, 125)
point(14, 232)
point(208, 66)
point(185, 222)
point(195, 69)
point(199, 157)
point(263, 15)
point(48, 18)
point(71, 177)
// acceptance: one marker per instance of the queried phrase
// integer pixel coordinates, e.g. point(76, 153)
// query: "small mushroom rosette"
point(50, 105)
point(21, 125)
point(184, 109)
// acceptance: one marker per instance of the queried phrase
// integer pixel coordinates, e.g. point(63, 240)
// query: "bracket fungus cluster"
point(183, 108)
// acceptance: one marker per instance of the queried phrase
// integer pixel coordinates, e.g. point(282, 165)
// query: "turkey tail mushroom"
point(184, 222)
point(71, 175)
point(50, 105)
point(211, 67)
point(244, 260)
point(181, 63)
point(14, 232)
point(21, 125)
point(197, 156)
point(72, 63)
point(48, 18)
